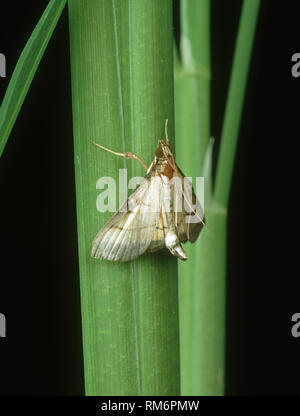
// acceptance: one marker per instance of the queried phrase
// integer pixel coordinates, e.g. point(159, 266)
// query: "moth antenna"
point(166, 130)
point(127, 155)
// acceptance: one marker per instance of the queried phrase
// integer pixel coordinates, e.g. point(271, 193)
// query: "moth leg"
point(166, 130)
point(127, 155)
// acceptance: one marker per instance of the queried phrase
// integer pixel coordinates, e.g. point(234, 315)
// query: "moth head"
point(164, 150)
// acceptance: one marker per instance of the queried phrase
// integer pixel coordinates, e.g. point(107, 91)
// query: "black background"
point(39, 288)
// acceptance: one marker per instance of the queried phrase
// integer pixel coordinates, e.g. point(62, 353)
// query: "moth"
point(162, 212)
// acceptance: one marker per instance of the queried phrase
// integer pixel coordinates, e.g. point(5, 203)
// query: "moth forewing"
point(193, 212)
point(128, 234)
point(158, 238)
point(178, 207)
point(176, 183)
point(192, 206)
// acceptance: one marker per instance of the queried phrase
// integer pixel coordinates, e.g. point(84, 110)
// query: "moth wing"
point(129, 232)
point(158, 238)
point(189, 219)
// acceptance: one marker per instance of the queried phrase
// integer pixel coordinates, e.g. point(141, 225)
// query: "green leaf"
point(26, 68)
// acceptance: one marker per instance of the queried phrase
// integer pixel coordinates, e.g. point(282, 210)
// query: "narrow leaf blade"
point(26, 67)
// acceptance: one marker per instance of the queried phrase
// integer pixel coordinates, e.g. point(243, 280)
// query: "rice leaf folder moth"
point(162, 212)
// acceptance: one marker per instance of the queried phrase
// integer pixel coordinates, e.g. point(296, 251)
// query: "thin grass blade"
point(26, 67)
point(235, 99)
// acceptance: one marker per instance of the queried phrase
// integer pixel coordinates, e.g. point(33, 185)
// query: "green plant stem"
point(192, 109)
point(208, 349)
point(122, 89)
point(192, 80)
point(202, 290)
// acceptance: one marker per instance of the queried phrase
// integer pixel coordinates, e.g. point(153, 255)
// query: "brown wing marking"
point(158, 238)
